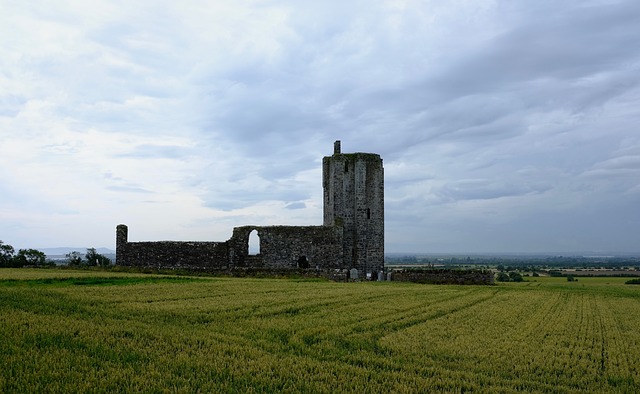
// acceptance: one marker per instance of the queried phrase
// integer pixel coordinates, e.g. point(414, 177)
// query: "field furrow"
point(248, 335)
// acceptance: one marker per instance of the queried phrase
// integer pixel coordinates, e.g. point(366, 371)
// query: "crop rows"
point(257, 335)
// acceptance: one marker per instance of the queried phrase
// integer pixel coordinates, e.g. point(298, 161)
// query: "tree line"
point(35, 258)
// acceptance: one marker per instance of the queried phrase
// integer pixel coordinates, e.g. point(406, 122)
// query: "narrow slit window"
point(368, 213)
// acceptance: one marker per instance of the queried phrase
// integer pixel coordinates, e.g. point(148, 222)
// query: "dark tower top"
point(353, 186)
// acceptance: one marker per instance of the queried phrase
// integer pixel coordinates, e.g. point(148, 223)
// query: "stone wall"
point(281, 247)
point(288, 247)
point(171, 254)
point(352, 236)
point(444, 276)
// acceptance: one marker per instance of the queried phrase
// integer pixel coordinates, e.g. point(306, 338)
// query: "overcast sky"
point(504, 126)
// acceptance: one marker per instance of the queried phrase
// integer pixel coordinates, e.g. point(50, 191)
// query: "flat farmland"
point(63, 331)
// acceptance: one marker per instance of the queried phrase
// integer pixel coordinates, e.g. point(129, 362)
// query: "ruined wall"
point(172, 254)
point(353, 186)
point(122, 237)
point(288, 247)
point(352, 236)
point(281, 247)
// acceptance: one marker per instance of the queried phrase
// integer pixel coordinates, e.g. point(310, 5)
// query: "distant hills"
point(60, 252)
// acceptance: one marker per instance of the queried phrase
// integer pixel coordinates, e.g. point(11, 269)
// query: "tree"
point(6, 255)
point(73, 259)
point(94, 258)
point(30, 257)
point(515, 277)
point(502, 277)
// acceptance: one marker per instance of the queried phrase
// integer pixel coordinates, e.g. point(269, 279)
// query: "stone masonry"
point(351, 237)
point(354, 199)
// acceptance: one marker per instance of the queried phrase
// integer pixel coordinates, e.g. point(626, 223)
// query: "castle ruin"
point(351, 239)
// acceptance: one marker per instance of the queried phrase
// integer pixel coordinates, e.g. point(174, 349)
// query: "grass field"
point(84, 331)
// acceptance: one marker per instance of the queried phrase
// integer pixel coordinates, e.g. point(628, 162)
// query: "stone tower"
point(353, 186)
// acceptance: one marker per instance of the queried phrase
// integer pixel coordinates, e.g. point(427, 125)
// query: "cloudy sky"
point(505, 126)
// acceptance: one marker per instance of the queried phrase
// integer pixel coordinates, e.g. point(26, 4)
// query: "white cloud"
point(503, 126)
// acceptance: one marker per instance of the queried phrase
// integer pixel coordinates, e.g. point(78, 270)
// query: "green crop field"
point(63, 331)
